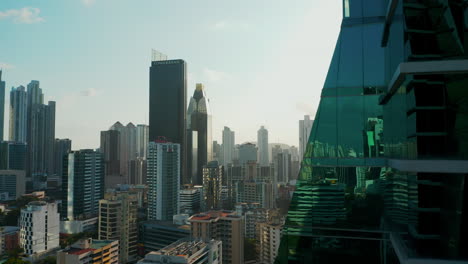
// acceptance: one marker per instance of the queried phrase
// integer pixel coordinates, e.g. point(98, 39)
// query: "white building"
point(228, 145)
point(190, 200)
point(270, 237)
point(263, 149)
point(40, 227)
point(187, 252)
point(163, 177)
point(305, 126)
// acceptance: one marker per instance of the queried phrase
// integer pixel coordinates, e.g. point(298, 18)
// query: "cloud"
point(6, 66)
point(215, 76)
point(229, 25)
point(25, 15)
point(88, 3)
point(89, 92)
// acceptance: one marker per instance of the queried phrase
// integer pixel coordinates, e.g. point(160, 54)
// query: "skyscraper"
point(305, 126)
point(213, 177)
point(263, 149)
point(40, 132)
point(199, 119)
point(228, 146)
point(142, 136)
point(247, 153)
point(61, 148)
point(163, 177)
point(13, 156)
point(2, 105)
point(168, 104)
point(389, 138)
point(110, 148)
point(18, 114)
point(127, 146)
point(82, 184)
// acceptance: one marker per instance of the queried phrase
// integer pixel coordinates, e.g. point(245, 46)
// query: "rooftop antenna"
point(157, 56)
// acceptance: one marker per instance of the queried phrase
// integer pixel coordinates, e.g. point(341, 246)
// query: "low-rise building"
point(79, 226)
point(89, 251)
point(9, 238)
point(155, 235)
point(187, 252)
point(269, 240)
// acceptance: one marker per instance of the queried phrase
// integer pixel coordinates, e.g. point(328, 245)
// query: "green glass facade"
point(384, 172)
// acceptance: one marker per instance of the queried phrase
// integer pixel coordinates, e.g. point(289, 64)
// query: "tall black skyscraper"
point(168, 103)
point(199, 119)
point(2, 105)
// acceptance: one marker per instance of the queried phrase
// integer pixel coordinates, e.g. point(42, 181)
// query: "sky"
point(263, 62)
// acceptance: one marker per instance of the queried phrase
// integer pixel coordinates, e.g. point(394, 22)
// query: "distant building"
point(12, 182)
point(79, 226)
point(284, 166)
point(187, 252)
point(225, 226)
point(18, 114)
point(142, 135)
point(190, 199)
point(305, 126)
point(61, 148)
point(247, 153)
point(2, 105)
point(9, 238)
point(217, 152)
point(40, 227)
point(110, 148)
point(228, 146)
point(89, 251)
point(137, 171)
point(82, 184)
point(168, 104)
point(263, 149)
point(13, 155)
point(213, 177)
point(248, 191)
point(127, 146)
point(118, 221)
point(199, 119)
point(155, 235)
point(163, 176)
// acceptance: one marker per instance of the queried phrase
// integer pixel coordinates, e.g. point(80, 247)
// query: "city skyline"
point(213, 63)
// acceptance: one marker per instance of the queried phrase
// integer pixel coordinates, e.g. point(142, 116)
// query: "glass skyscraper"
point(384, 173)
point(168, 104)
point(2, 105)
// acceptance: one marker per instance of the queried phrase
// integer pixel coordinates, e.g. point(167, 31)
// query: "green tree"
point(250, 252)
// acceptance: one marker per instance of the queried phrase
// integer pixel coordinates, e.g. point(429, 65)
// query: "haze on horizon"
point(262, 62)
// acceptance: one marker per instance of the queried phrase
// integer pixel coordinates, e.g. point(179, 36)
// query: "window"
point(346, 8)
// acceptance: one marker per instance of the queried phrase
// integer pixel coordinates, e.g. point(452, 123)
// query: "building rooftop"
point(211, 215)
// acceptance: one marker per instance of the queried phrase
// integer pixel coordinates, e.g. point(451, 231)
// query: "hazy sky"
point(263, 62)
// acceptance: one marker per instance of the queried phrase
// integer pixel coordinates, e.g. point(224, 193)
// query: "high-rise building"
point(225, 226)
point(247, 153)
point(110, 148)
point(190, 198)
point(89, 251)
point(137, 171)
point(249, 191)
point(389, 130)
point(40, 227)
point(187, 251)
point(13, 155)
point(142, 136)
point(217, 152)
point(213, 177)
point(283, 166)
point(127, 146)
point(192, 154)
point(18, 114)
point(228, 145)
point(168, 104)
point(199, 119)
point(40, 132)
point(13, 183)
point(118, 221)
point(163, 177)
point(82, 184)
point(2, 105)
point(155, 235)
point(263, 149)
point(270, 233)
point(61, 148)
point(305, 126)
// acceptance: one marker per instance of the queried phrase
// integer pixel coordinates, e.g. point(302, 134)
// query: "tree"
point(250, 252)
point(16, 261)
point(48, 260)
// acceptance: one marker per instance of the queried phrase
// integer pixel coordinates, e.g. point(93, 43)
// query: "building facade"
point(213, 177)
point(199, 119)
point(263, 148)
point(118, 221)
point(389, 127)
point(13, 155)
point(2, 106)
point(225, 226)
point(12, 182)
point(305, 126)
point(61, 149)
point(18, 114)
point(247, 153)
point(89, 251)
point(155, 235)
point(163, 172)
point(228, 146)
point(40, 227)
point(168, 104)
